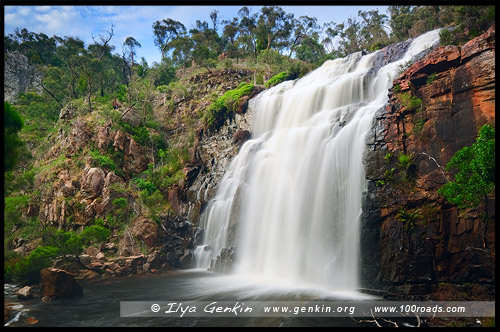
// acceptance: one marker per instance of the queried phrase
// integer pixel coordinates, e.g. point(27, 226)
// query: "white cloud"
point(24, 10)
point(60, 21)
point(15, 20)
point(43, 8)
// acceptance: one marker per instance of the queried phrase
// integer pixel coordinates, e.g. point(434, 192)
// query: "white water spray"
point(298, 182)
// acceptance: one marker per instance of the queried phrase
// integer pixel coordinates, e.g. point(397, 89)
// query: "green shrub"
point(378, 45)
point(102, 161)
point(162, 88)
point(120, 202)
point(409, 218)
point(417, 128)
point(475, 178)
point(431, 78)
point(139, 134)
point(33, 105)
point(276, 79)
point(153, 201)
point(388, 157)
point(121, 93)
point(389, 174)
point(297, 70)
point(13, 123)
point(94, 234)
point(13, 206)
point(411, 102)
point(146, 185)
point(405, 160)
point(446, 37)
point(27, 271)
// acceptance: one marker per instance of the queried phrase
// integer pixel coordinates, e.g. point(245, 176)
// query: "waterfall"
point(293, 193)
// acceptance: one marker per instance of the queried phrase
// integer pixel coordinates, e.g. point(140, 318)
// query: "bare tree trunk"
point(50, 93)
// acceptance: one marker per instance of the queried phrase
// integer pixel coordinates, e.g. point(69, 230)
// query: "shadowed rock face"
point(442, 244)
point(19, 76)
point(57, 283)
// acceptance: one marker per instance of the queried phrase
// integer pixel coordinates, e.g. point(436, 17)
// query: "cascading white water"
point(299, 181)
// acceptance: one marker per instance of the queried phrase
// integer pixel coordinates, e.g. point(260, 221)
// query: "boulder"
point(137, 160)
point(25, 293)
point(92, 181)
point(92, 251)
point(155, 260)
point(145, 230)
point(57, 283)
point(123, 266)
point(187, 260)
point(104, 135)
point(119, 141)
point(68, 112)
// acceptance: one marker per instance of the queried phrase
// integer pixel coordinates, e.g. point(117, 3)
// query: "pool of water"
point(100, 304)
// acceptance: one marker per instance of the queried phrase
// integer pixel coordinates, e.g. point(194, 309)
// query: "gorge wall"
point(412, 241)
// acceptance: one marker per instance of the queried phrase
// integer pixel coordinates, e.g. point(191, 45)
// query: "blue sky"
point(137, 21)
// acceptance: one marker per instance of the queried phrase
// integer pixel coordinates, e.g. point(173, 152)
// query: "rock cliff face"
point(19, 76)
point(412, 241)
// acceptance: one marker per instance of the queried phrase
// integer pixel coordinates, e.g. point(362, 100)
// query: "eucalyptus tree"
point(248, 31)
point(274, 28)
point(231, 33)
point(165, 31)
point(305, 28)
point(129, 45)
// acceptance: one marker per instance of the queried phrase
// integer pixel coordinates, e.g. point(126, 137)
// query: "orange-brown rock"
point(145, 230)
point(441, 244)
point(57, 283)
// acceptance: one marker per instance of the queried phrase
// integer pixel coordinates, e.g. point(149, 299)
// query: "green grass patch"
point(411, 102)
point(276, 79)
point(225, 106)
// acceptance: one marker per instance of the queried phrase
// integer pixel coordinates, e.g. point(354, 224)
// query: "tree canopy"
point(13, 123)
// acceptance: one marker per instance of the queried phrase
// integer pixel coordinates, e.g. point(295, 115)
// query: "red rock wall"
point(442, 244)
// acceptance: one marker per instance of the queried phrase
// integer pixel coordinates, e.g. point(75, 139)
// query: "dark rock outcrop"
point(223, 263)
point(19, 76)
point(412, 239)
point(57, 283)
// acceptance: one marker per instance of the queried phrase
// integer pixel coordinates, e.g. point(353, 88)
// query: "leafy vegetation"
point(57, 243)
point(103, 161)
point(276, 79)
point(388, 157)
point(431, 78)
point(405, 160)
point(408, 218)
point(411, 102)
point(225, 106)
point(475, 172)
point(13, 123)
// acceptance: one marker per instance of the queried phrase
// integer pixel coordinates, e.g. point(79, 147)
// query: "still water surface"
point(100, 304)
